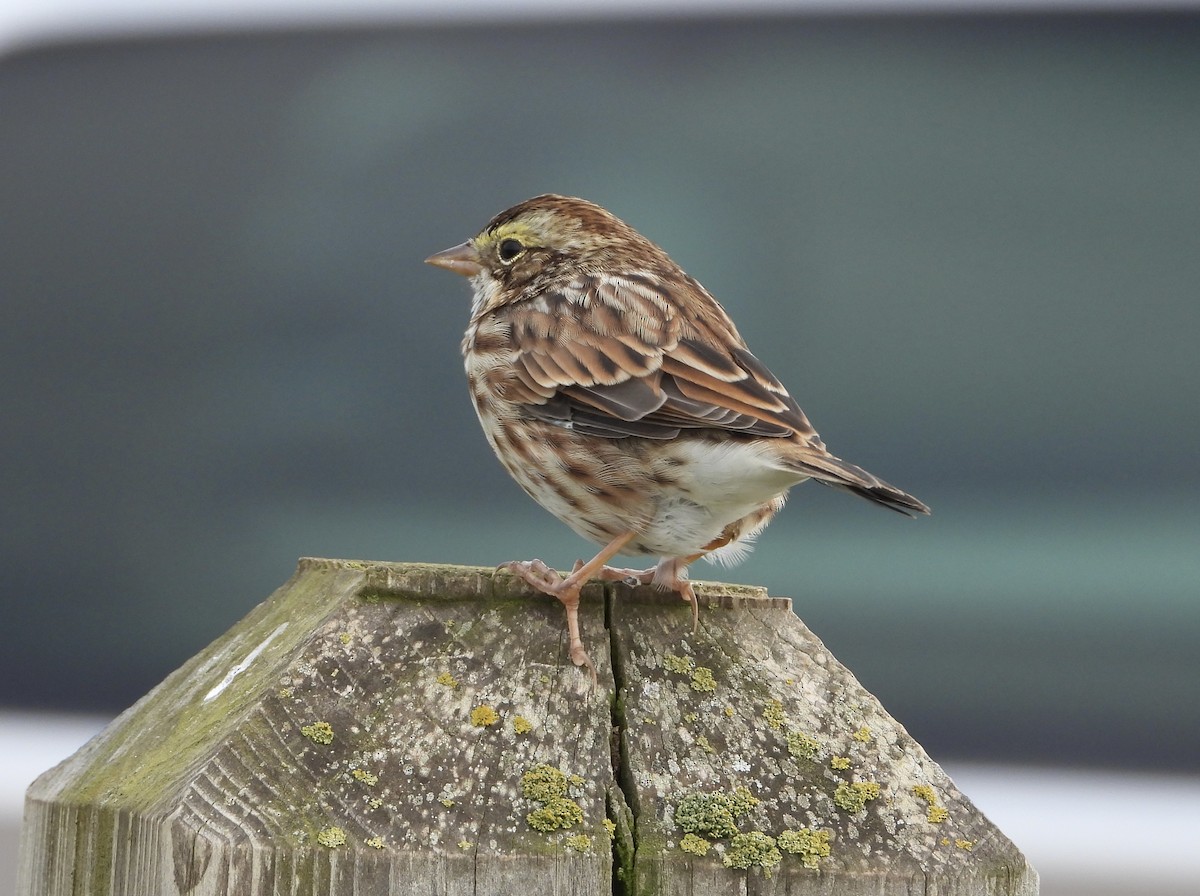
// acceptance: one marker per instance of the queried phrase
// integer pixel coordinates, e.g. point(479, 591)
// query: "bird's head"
point(544, 242)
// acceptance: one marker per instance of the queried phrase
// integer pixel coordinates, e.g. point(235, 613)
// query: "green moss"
point(555, 815)
point(752, 849)
point(854, 797)
point(810, 845)
point(318, 732)
point(332, 837)
point(697, 846)
point(543, 783)
point(802, 746)
point(703, 680)
point(713, 814)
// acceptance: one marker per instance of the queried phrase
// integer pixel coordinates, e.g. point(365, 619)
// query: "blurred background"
point(966, 238)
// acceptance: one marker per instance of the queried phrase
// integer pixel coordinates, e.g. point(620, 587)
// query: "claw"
point(548, 581)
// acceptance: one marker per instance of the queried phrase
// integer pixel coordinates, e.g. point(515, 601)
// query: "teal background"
point(967, 245)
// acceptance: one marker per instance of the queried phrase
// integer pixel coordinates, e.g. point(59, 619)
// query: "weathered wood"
point(336, 742)
point(781, 717)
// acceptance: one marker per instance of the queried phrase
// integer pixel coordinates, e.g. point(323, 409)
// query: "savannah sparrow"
point(619, 395)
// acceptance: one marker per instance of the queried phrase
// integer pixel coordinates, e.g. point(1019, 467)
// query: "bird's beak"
point(461, 259)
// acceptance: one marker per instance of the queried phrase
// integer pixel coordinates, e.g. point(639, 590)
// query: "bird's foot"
point(630, 577)
point(670, 574)
point(549, 581)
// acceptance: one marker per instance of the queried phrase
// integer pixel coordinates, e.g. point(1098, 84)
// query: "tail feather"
point(837, 473)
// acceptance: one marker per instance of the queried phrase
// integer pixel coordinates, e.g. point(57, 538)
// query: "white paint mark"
point(244, 664)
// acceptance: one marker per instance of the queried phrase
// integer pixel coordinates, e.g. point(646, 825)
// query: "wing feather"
point(614, 356)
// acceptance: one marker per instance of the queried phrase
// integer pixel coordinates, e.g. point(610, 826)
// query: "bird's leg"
point(538, 575)
point(670, 573)
point(628, 576)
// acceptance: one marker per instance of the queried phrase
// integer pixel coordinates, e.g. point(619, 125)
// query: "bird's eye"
point(510, 249)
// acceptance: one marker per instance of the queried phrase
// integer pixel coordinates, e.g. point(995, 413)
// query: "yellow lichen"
point(543, 783)
point(318, 732)
point(840, 762)
point(925, 792)
point(521, 725)
point(345, 638)
point(752, 849)
point(446, 801)
point(375, 842)
point(578, 842)
point(728, 711)
point(773, 713)
point(854, 797)
point(802, 746)
point(714, 814)
point(556, 814)
point(935, 814)
point(811, 845)
point(611, 827)
point(484, 716)
point(447, 679)
point(465, 844)
point(862, 735)
point(703, 744)
point(965, 844)
point(365, 777)
point(703, 680)
point(681, 665)
point(690, 717)
point(285, 693)
point(331, 837)
point(697, 846)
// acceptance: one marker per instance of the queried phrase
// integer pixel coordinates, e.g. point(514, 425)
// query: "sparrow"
point(620, 396)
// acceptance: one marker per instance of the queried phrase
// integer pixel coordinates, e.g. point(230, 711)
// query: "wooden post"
point(390, 728)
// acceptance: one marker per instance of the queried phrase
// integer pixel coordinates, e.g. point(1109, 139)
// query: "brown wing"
point(616, 356)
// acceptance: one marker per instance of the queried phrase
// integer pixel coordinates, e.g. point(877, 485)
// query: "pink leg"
point(670, 573)
point(540, 576)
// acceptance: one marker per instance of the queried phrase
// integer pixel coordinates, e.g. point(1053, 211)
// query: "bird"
point(618, 393)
